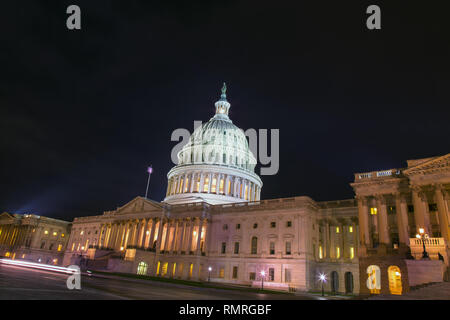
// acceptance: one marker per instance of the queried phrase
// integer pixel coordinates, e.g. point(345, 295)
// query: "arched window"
point(374, 279)
point(348, 282)
point(334, 281)
point(395, 280)
point(142, 268)
point(254, 245)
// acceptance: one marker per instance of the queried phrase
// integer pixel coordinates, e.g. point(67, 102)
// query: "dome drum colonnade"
point(216, 165)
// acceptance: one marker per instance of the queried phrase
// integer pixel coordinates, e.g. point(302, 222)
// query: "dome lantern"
point(222, 106)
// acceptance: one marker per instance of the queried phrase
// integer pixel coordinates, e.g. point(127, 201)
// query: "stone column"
point(326, 248)
point(355, 237)
point(189, 237)
point(199, 236)
point(202, 182)
point(363, 218)
point(402, 220)
point(115, 236)
point(192, 182)
point(166, 240)
point(421, 214)
point(344, 253)
point(176, 231)
point(205, 236)
point(383, 226)
point(100, 240)
point(210, 182)
point(160, 231)
point(180, 245)
point(152, 233)
point(441, 195)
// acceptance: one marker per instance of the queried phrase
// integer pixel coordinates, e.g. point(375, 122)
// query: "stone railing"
point(430, 242)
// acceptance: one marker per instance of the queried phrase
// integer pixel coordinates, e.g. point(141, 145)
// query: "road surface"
point(25, 283)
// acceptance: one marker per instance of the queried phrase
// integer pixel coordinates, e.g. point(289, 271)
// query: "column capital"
point(362, 199)
point(381, 199)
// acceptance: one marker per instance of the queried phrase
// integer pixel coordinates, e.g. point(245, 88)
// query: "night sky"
point(83, 113)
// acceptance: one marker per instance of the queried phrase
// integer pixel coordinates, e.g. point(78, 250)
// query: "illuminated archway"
point(142, 268)
point(395, 280)
point(374, 279)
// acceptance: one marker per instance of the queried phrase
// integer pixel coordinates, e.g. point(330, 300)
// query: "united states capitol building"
point(212, 225)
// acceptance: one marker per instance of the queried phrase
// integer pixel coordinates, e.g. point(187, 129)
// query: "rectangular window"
point(352, 252)
point(222, 273)
point(350, 229)
point(224, 247)
point(238, 226)
point(186, 187)
point(252, 276)
point(236, 247)
point(271, 274)
point(164, 269)
point(338, 252)
point(320, 252)
point(235, 272)
point(373, 211)
point(213, 185)
point(272, 247)
point(197, 185)
point(273, 224)
point(157, 267)
point(288, 247)
point(287, 275)
point(289, 224)
point(221, 186)
point(338, 230)
point(206, 184)
point(229, 187)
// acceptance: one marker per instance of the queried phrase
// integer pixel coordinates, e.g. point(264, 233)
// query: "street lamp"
point(263, 273)
point(422, 235)
point(322, 278)
point(209, 274)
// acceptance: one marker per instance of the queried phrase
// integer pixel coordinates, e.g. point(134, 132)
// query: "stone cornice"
point(434, 165)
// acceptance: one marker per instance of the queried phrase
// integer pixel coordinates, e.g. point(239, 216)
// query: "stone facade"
point(33, 238)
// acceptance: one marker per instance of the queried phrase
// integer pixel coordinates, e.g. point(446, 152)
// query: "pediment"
point(139, 204)
point(431, 165)
point(6, 217)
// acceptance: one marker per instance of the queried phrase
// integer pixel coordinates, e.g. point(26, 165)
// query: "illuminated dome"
point(216, 165)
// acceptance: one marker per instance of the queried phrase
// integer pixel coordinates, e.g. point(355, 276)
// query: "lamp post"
point(322, 278)
point(422, 235)
point(149, 170)
point(209, 274)
point(263, 273)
